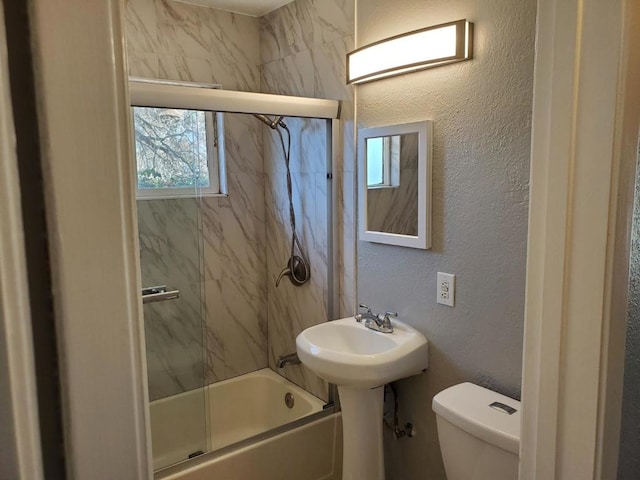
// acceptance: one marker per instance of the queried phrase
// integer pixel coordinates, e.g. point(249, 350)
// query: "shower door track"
point(212, 455)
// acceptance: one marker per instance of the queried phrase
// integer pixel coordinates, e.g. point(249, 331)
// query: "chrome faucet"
point(375, 322)
point(290, 359)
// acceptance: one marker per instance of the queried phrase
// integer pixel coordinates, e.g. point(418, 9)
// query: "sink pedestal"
point(359, 360)
point(363, 456)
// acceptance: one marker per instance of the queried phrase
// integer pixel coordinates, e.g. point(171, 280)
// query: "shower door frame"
point(199, 96)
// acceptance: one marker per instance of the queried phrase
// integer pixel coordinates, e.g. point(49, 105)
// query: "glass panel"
point(250, 321)
point(170, 258)
point(210, 373)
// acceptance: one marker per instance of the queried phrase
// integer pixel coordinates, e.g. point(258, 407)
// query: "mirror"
point(394, 184)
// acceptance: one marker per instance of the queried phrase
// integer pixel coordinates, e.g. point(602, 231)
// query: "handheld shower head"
point(274, 122)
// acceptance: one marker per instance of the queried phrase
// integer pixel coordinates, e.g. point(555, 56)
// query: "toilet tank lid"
point(469, 407)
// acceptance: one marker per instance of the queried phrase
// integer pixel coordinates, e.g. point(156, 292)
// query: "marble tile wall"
point(298, 49)
point(170, 255)
point(218, 328)
point(235, 268)
point(174, 40)
point(303, 47)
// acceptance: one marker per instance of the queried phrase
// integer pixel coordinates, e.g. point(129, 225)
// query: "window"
point(179, 153)
point(383, 162)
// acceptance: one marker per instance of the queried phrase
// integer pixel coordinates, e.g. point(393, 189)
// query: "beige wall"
point(481, 112)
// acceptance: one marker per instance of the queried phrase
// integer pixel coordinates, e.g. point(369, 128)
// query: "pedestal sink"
point(360, 361)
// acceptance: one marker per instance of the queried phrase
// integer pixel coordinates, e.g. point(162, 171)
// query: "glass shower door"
point(172, 162)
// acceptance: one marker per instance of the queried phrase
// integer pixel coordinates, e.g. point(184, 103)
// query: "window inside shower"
point(178, 152)
point(218, 325)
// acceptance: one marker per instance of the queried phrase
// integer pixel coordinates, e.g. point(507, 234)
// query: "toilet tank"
point(479, 433)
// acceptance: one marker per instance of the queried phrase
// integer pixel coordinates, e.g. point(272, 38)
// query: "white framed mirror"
point(394, 184)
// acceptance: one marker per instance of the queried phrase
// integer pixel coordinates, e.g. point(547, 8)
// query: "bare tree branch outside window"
point(171, 148)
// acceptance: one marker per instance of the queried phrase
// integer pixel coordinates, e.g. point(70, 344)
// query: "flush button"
point(501, 407)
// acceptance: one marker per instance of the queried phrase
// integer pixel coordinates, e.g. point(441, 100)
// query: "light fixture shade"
point(425, 48)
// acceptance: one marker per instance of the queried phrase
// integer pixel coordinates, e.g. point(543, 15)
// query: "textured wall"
point(629, 462)
point(303, 47)
point(481, 112)
point(212, 249)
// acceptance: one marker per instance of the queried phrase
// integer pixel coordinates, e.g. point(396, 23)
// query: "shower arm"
point(270, 122)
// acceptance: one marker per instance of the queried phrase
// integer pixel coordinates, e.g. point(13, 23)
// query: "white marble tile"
point(286, 31)
point(243, 77)
point(234, 51)
point(320, 228)
point(243, 144)
point(331, 19)
point(347, 250)
point(141, 26)
point(214, 350)
point(142, 64)
point(169, 240)
point(330, 69)
point(300, 25)
point(212, 237)
point(186, 69)
point(235, 37)
point(183, 30)
point(242, 253)
point(314, 143)
point(308, 147)
point(245, 326)
point(173, 333)
point(291, 75)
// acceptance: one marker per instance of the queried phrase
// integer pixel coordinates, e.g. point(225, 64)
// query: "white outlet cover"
point(446, 289)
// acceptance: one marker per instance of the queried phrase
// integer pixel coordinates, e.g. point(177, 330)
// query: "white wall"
point(481, 112)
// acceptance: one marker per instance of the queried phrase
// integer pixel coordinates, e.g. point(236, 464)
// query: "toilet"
point(479, 433)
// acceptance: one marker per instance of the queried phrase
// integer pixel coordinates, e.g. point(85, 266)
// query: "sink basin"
point(347, 353)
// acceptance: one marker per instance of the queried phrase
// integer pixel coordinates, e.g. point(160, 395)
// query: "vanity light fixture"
point(425, 48)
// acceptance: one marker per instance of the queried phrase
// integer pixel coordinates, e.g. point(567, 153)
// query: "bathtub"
point(219, 415)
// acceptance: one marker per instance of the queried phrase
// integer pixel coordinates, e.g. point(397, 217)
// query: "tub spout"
point(290, 359)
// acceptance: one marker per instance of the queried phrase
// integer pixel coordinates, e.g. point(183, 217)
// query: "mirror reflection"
point(392, 184)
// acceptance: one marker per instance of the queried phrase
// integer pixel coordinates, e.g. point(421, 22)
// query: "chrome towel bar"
point(158, 294)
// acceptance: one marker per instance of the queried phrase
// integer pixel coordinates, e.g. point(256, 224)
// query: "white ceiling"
point(254, 8)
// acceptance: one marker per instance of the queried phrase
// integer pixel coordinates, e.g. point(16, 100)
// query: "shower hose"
point(295, 241)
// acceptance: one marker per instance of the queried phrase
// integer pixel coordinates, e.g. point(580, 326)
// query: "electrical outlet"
point(446, 289)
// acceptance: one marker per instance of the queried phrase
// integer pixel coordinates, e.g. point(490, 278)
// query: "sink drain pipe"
point(408, 430)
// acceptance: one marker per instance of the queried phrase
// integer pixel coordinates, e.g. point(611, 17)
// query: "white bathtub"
point(224, 413)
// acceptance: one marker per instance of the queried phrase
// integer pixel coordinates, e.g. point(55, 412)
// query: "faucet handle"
point(390, 314)
point(360, 316)
point(366, 307)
